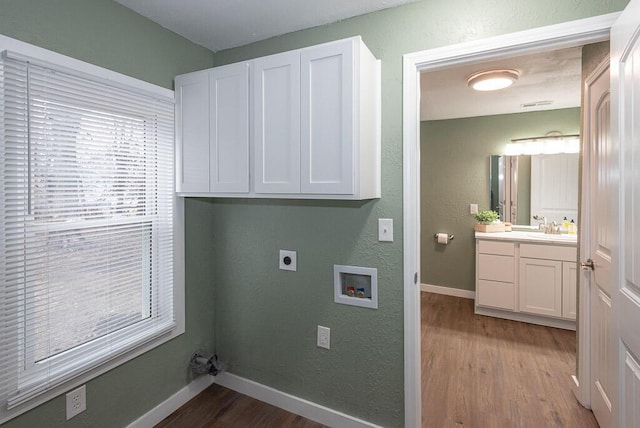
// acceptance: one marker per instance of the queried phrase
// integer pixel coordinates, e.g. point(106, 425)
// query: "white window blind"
point(86, 225)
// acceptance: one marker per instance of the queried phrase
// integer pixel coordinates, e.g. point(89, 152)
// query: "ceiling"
point(549, 76)
point(224, 24)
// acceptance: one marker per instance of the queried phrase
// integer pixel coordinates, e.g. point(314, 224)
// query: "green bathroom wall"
point(271, 338)
point(455, 173)
point(104, 33)
point(265, 319)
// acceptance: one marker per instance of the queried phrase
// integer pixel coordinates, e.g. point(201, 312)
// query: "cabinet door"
point(569, 287)
point(229, 128)
point(327, 119)
point(541, 287)
point(192, 132)
point(496, 294)
point(276, 89)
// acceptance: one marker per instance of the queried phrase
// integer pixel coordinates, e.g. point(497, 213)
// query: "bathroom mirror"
point(526, 185)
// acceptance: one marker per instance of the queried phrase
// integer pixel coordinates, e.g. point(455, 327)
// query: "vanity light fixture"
point(549, 144)
point(492, 80)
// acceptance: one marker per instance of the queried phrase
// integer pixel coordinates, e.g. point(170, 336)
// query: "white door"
point(327, 119)
point(625, 106)
point(600, 194)
point(276, 84)
point(229, 128)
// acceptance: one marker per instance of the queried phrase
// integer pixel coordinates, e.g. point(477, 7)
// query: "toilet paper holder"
point(435, 237)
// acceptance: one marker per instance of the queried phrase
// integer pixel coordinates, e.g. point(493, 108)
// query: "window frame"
point(75, 66)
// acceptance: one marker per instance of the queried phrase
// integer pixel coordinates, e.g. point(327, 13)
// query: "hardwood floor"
point(218, 406)
point(477, 371)
point(482, 372)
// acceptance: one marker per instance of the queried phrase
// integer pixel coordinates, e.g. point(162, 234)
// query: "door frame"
point(558, 36)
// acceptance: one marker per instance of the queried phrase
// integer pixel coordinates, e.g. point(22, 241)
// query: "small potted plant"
point(487, 221)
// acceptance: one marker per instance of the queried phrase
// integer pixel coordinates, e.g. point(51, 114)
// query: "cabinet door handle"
point(588, 265)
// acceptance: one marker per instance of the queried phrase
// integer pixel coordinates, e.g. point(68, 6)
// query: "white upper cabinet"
point(276, 123)
point(327, 114)
point(340, 128)
point(315, 126)
point(229, 128)
point(192, 132)
point(212, 130)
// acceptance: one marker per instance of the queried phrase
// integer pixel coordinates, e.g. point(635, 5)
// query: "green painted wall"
point(273, 340)
point(104, 33)
point(107, 34)
point(264, 318)
point(455, 173)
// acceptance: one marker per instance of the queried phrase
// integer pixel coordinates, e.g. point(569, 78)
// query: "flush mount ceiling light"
point(492, 80)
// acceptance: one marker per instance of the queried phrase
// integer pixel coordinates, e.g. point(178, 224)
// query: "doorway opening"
point(554, 37)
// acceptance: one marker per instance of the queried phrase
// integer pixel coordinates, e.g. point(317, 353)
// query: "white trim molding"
point(558, 36)
point(448, 291)
point(291, 403)
point(22, 50)
point(173, 403)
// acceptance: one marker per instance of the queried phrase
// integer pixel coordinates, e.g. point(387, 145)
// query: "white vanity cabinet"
point(569, 290)
point(545, 272)
point(495, 270)
point(541, 287)
point(315, 128)
point(212, 123)
point(525, 278)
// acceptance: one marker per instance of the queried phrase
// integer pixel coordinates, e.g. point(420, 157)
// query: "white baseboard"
point(456, 292)
point(293, 404)
point(173, 403)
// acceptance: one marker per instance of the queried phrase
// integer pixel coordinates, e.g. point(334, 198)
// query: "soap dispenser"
point(573, 229)
point(565, 224)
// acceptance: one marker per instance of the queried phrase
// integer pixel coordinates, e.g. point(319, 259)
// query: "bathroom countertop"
point(530, 236)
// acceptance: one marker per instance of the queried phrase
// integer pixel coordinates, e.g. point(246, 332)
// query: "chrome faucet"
point(552, 228)
point(542, 222)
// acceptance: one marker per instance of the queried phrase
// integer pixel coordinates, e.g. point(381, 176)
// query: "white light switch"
point(473, 209)
point(288, 260)
point(385, 229)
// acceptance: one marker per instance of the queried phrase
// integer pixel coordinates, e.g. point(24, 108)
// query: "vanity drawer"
point(496, 268)
point(496, 294)
point(549, 252)
point(496, 247)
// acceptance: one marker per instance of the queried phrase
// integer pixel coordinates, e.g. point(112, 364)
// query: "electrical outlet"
point(288, 260)
point(324, 337)
point(473, 209)
point(76, 401)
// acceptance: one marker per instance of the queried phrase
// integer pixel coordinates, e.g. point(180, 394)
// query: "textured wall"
point(592, 56)
point(105, 33)
point(455, 173)
point(273, 340)
point(270, 337)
